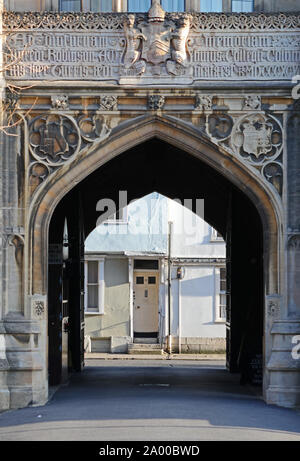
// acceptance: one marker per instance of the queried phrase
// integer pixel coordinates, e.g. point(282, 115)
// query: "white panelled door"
point(145, 302)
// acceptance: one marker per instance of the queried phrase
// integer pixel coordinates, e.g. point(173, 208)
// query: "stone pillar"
point(21, 365)
point(284, 364)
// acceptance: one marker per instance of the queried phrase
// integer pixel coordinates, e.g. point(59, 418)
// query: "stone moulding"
point(13, 21)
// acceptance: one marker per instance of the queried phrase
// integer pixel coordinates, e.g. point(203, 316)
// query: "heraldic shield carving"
point(53, 139)
point(157, 47)
point(257, 138)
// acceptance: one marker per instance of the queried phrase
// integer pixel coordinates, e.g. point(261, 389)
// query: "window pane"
point(92, 272)
point(173, 5)
point(211, 6)
point(93, 296)
point(146, 264)
point(242, 6)
point(152, 280)
point(222, 307)
point(140, 280)
point(103, 6)
point(70, 5)
point(222, 279)
point(137, 6)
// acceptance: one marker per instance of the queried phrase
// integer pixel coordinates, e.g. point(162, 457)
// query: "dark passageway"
point(158, 166)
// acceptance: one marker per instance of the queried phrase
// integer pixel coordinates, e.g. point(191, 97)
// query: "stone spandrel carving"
point(257, 138)
point(157, 47)
point(55, 139)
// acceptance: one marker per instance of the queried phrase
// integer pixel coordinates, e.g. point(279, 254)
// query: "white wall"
point(197, 303)
point(192, 235)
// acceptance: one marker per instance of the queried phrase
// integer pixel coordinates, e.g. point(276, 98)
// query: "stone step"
point(144, 346)
point(146, 349)
point(145, 352)
point(145, 340)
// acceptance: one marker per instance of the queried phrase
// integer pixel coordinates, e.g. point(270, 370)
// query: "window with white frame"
point(242, 6)
point(94, 286)
point(220, 315)
point(211, 6)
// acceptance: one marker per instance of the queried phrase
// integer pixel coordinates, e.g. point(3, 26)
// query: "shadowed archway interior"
point(157, 166)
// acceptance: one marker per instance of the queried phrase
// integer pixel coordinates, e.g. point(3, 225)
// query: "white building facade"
point(156, 270)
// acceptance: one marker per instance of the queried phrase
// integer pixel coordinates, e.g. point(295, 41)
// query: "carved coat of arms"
point(156, 46)
point(257, 138)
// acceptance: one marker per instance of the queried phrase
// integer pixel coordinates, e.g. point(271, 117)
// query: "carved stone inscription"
point(65, 56)
point(159, 45)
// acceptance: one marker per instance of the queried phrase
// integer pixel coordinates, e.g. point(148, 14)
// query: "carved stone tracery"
point(114, 21)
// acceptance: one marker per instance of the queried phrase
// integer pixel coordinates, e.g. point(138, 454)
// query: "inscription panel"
point(95, 48)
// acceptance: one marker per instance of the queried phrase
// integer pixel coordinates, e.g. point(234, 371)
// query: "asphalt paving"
point(151, 400)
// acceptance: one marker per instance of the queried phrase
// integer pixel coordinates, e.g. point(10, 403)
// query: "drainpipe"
point(169, 345)
point(179, 312)
point(180, 275)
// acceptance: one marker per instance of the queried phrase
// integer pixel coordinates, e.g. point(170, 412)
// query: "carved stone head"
point(130, 20)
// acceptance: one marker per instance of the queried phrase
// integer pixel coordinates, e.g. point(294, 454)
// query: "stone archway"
point(187, 139)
